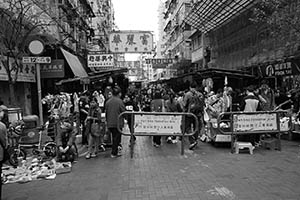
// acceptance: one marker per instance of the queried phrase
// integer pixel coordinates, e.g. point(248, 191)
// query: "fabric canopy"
point(74, 64)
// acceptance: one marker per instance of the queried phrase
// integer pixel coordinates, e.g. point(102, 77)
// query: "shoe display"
point(193, 145)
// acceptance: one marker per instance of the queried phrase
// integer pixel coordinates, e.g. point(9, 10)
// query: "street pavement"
point(207, 173)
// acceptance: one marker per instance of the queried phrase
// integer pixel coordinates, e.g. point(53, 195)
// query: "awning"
point(208, 14)
point(212, 72)
point(74, 64)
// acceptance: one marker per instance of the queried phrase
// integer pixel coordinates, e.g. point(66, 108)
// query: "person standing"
point(95, 137)
point(157, 105)
point(193, 103)
point(172, 105)
point(113, 108)
point(3, 132)
point(83, 112)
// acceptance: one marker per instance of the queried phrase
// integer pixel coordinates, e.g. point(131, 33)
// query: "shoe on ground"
point(193, 145)
point(169, 140)
point(174, 141)
point(115, 156)
point(156, 145)
point(93, 155)
point(102, 147)
point(88, 156)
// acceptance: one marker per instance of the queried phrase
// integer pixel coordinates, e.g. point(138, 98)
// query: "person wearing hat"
point(3, 132)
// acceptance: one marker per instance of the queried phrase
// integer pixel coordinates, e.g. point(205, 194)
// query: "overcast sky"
point(137, 15)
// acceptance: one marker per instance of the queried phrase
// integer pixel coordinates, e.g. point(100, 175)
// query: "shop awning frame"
point(211, 72)
point(207, 15)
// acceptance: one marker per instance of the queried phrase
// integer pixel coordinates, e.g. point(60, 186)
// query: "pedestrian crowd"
point(96, 113)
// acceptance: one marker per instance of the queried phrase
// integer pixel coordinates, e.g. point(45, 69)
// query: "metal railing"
point(157, 124)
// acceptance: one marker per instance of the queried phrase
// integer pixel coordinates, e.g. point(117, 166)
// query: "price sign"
point(28, 60)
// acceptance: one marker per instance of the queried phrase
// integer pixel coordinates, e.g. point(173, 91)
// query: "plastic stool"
point(242, 145)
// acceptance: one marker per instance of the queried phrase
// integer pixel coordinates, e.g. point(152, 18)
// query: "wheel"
point(50, 149)
point(15, 156)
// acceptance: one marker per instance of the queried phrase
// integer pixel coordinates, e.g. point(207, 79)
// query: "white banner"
point(161, 124)
point(254, 122)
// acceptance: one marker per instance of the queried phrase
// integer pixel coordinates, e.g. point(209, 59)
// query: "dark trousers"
point(189, 121)
point(116, 140)
point(157, 140)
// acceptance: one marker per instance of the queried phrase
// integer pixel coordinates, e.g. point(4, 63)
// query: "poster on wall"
point(131, 42)
point(254, 122)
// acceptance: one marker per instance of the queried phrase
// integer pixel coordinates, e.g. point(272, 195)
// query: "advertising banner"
point(160, 124)
point(254, 122)
point(55, 69)
point(131, 42)
point(100, 60)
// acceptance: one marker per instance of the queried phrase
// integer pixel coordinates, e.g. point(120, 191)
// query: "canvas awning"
point(75, 64)
point(209, 14)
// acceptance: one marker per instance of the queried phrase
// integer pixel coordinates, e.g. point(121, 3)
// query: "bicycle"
point(31, 138)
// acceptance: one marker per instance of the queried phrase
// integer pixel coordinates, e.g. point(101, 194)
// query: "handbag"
point(95, 129)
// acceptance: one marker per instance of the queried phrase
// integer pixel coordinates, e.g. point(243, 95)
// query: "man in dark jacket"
point(113, 108)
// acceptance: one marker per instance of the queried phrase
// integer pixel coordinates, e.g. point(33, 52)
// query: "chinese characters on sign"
point(131, 42)
point(159, 62)
point(53, 70)
point(161, 124)
point(100, 60)
point(254, 122)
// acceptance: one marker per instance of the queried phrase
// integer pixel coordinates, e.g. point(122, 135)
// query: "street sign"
point(27, 60)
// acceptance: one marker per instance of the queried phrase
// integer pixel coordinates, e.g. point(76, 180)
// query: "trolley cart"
point(214, 133)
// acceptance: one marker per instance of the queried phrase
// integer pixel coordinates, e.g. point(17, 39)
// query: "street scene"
point(149, 100)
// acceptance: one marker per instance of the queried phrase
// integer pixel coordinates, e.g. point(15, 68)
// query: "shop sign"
point(282, 69)
point(159, 62)
point(254, 122)
point(131, 42)
point(160, 124)
point(100, 60)
point(55, 69)
point(26, 72)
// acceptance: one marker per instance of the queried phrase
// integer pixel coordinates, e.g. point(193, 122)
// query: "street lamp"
point(36, 47)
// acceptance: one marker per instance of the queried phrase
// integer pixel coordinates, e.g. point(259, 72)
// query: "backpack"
point(196, 103)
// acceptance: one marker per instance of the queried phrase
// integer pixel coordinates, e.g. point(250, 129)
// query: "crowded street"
point(149, 100)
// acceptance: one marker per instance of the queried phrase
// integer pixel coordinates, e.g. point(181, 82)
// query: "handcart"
point(215, 129)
